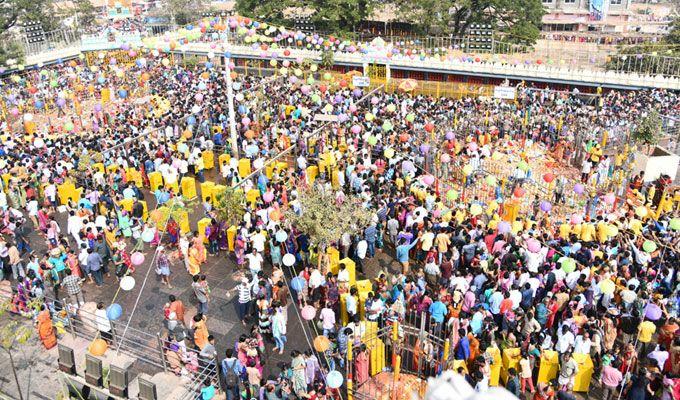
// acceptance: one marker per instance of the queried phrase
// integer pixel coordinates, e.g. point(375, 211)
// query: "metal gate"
point(401, 356)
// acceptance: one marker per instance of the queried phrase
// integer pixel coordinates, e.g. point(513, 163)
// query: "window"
point(615, 2)
point(547, 1)
point(569, 1)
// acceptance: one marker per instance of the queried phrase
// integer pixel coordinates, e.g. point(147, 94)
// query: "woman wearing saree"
point(299, 367)
point(361, 365)
point(45, 328)
point(193, 260)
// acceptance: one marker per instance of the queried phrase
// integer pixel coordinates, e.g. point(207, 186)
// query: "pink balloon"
point(609, 198)
point(245, 121)
point(428, 180)
point(533, 245)
point(268, 197)
point(445, 158)
point(199, 96)
point(352, 108)
point(472, 146)
point(137, 258)
point(305, 89)
point(356, 129)
point(576, 219)
point(14, 111)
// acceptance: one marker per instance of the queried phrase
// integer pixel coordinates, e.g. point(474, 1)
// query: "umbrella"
point(652, 312)
point(408, 85)
point(321, 343)
point(308, 313)
point(297, 283)
point(607, 286)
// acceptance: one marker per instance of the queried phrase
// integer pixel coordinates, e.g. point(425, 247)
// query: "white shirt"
point(258, 241)
point(343, 275)
point(564, 341)
point(362, 247)
point(102, 320)
point(255, 262)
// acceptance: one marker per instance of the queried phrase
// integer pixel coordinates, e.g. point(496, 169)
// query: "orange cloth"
point(46, 330)
point(201, 334)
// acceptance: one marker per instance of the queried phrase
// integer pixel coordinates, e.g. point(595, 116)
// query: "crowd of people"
point(588, 283)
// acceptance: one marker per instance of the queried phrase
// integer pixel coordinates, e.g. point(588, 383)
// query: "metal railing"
point(144, 347)
point(53, 40)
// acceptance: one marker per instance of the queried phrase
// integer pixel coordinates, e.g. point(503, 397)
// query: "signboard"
point(504, 92)
point(325, 118)
point(361, 81)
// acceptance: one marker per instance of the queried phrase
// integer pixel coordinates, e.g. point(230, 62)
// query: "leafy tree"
point(324, 220)
point(517, 20)
point(327, 58)
point(84, 13)
point(231, 206)
point(182, 12)
point(650, 58)
point(648, 130)
point(270, 10)
point(10, 50)
point(12, 12)
point(13, 335)
point(340, 17)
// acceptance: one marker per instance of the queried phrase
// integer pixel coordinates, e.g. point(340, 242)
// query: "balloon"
point(127, 283)
point(334, 379)
point(467, 169)
point(568, 265)
point(445, 158)
point(308, 312)
point(137, 258)
point(39, 104)
point(533, 245)
point(576, 247)
point(60, 103)
point(607, 286)
point(674, 224)
point(281, 236)
point(519, 192)
point(579, 188)
point(389, 153)
point(546, 206)
point(410, 117)
point(428, 180)
point(451, 195)
point(98, 347)
point(122, 93)
point(649, 246)
point(641, 211)
point(28, 117)
point(504, 227)
point(372, 140)
point(609, 198)
point(114, 311)
point(450, 135)
point(429, 127)
point(548, 177)
point(496, 156)
point(369, 117)
point(356, 129)
point(68, 127)
point(97, 107)
point(491, 180)
point(576, 219)
point(475, 209)
point(268, 197)
point(653, 312)
point(523, 166)
point(288, 260)
point(321, 343)
point(297, 283)
point(147, 235)
point(424, 148)
point(387, 126)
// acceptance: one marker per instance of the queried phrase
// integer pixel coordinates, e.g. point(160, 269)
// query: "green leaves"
point(231, 206)
point(648, 130)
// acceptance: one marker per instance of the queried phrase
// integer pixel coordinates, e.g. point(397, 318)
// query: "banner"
point(504, 92)
point(599, 9)
point(361, 81)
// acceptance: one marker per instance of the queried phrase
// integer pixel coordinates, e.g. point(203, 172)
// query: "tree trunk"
point(14, 372)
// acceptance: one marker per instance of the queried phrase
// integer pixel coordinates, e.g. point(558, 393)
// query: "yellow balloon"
point(641, 211)
point(389, 153)
point(467, 169)
point(496, 156)
point(475, 209)
point(165, 62)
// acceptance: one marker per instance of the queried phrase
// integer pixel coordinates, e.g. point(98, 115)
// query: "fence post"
point(160, 349)
point(72, 328)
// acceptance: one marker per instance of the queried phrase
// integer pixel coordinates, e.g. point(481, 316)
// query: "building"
point(579, 16)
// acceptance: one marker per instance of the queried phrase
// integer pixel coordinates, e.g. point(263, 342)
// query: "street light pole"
point(230, 99)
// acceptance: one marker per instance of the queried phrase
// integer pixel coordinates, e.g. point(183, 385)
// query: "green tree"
point(340, 17)
point(651, 58)
point(648, 130)
point(324, 220)
point(270, 10)
point(10, 50)
point(85, 14)
point(12, 12)
point(518, 21)
point(13, 335)
point(230, 206)
point(182, 12)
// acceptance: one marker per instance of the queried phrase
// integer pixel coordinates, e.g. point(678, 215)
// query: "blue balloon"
point(122, 93)
point(208, 65)
point(191, 120)
point(114, 311)
point(39, 104)
point(190, 27)
point(201, 86)
point(60, 60)
point(227, 54)
point(101, 80)
point(297, 283)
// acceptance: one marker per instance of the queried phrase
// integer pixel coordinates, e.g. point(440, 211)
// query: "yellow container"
point(207, 188)
point(511, 359)
point(252, 196)
point(312, 173)
point(269, 170)
point(362, 305)
point(112, 168)
point(134, 176)
point(335, 181)
point(5, 180)
point(549, 366)
point(155, 180)
point(231, 237)
point(351, 268)
point(334, 256)
point(223, 159)
point(145, 213)
point(364, 286)
point(106, 95)
point(344, 317)
point(189, 187)
point(244, 167)
point(459, 363)
point(29, 127)
point(202, 224)
point(495, 365)
point(282, 166)
point(99, 167)
point(208, 159)
point(126, 204)
point(173, 187)
point(66, 191)
point(184, 222)
point(585, 372)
